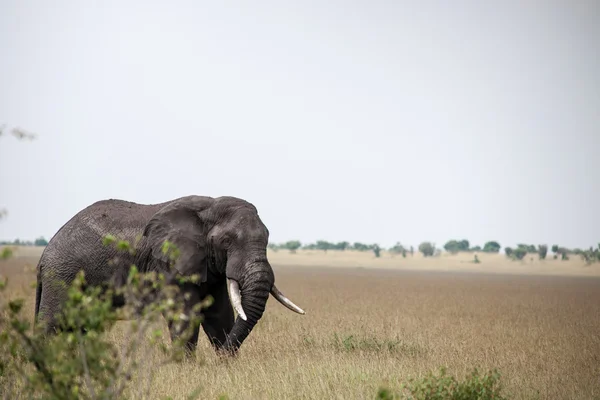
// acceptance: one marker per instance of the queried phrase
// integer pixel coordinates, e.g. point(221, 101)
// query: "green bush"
point(491, 247)
point(342, 246)
point(542, 251)
point(6, 253)
point(592, 255)
point(562, 251)
point(455, 246)
point(79, 361)
point(443, 387)
point(452, 246)
point(519, 253)
point(376, 250)
point(292, 245)
point(41, 241)
point(398, 248)
point(427, 248)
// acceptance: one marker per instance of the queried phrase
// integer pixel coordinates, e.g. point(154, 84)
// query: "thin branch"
point(86, 370)
point(22, 134)
point(122, 354)
point(138, 339)
point(37, 363)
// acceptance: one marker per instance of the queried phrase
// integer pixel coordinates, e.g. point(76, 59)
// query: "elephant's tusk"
point(236, 298)
point(285, 301)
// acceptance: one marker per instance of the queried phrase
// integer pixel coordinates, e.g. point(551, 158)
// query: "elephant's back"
point(124, 219)
point(78, 244)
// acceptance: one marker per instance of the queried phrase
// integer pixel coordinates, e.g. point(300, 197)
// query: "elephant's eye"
point(226, 241)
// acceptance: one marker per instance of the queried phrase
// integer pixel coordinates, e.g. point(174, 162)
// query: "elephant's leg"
point(54, 295)
point(218, 318)
point(192, 297)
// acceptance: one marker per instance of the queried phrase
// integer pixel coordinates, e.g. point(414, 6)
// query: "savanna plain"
point(377, 322)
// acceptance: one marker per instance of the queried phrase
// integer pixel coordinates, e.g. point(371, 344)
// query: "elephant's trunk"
point(250, 303)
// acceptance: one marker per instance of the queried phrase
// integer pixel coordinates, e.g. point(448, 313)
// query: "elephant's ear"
point(180, 224)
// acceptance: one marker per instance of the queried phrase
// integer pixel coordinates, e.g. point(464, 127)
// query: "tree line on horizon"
point(429, 249)
point(40, 241)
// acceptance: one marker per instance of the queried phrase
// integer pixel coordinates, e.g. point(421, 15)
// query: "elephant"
point(222, 239)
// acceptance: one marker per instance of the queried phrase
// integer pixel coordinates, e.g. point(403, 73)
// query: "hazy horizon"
point(376, 122)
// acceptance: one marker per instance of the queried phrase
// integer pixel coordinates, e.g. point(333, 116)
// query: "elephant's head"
point(227, 234)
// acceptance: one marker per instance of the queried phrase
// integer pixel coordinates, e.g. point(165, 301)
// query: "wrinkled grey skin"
point(218, 238)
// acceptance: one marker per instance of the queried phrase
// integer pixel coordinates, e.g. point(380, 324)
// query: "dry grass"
point(365, 328)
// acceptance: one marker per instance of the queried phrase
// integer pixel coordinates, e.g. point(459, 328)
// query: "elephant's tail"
point(38, 293)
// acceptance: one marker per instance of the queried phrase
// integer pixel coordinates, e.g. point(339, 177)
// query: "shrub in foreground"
point(79, 361)
point(444, 387)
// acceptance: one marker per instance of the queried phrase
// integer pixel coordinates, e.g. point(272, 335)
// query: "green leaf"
point(108, 239)
point(15, 306)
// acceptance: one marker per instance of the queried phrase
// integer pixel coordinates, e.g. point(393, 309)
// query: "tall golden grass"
point(374, 322)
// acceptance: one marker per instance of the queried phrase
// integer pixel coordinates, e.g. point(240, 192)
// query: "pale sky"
point(374, 121)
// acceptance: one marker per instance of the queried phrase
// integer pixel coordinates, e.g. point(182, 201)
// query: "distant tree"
point(292, 245)
point(562, 251)
point(341, 246)
point(463, 245)
point(397, 248)
point(508, 251)
point(40, 241)
point(555, 248)
point(324, 245)
point(592, 255)
point(360, 246)
point(491, 247)
point(475, 248)
point(452, 246)
point(519, 253)
point(376, 250)
point(427, 248)
point(412, 251)
point(542, 251)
